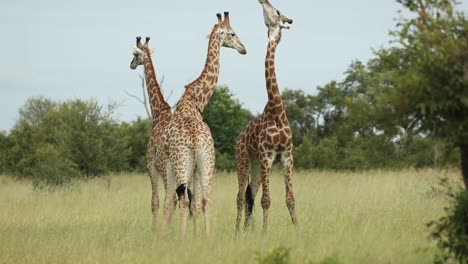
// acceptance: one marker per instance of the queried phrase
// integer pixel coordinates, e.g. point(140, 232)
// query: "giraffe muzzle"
point(286, 20)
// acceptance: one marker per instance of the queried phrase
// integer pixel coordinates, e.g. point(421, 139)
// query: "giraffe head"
point(140, 52)
point(227, 36)
point(274, 20)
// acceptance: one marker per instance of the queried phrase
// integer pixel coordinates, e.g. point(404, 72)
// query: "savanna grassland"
point(369, 217)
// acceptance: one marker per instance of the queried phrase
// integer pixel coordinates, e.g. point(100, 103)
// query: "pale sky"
point(81, 49)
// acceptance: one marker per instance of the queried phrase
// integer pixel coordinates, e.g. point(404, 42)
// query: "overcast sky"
point(81, 49)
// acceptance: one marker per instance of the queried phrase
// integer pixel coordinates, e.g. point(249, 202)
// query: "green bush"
point(225, 161)
point(48, 168)
point(417, 151)
point(54, 141)
point(304, 154)
point(380, 152)
point(136, 135)
point(325, 155)
point(279, 255)
point(5, 151)
point(226, 119)
point(353, 156)
point(451, 231)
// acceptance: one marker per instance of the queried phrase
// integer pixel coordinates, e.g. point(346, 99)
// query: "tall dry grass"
point(369, 217)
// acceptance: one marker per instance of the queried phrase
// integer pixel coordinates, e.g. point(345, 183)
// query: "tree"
point(226, 119)
point(34, 110)
point(136, 135)
point(427, 72)
point(6, 144)
point(303, 112)
point(53, 142)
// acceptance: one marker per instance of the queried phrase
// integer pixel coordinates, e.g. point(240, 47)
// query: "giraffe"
point(161, 115)
point(189, 145)
point(273, 18)
point(267, 139)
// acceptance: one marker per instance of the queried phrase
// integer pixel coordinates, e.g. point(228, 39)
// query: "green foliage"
point(396, 110)
point(35, 109)
point(320, 156)
point(226, 119)
point(279, 255)
point(303, 112)
point(427, 72)
point(419, 152)
point(451, 230)
point(136, 135)
point(304, 154)
point(32, 157)
point(225, 161)
point(353, 156)
point(54, 142)
point(432, 69)
point(6, 145)
point(48, 168)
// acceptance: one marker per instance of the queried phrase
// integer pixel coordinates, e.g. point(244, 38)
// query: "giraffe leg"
point(197, 201)
point(162, 165)
point(184, 204)
point(182, 166)
point(206, 209)
point(267, 161)
point(207, 166)
point(243, 181)
point(254, 185)
point(155, 195)
point(287, 160)
point(174, 206)
point(169, 205)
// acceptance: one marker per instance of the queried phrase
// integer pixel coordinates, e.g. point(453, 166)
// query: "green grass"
point(371, 217)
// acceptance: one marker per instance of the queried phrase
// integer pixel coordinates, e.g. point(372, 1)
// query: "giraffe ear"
point(151, 50)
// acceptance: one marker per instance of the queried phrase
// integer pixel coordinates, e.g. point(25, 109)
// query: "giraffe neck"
point(158, 105)
point(274, 106)
point(198, 93)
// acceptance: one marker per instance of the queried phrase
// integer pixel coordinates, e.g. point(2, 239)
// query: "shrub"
point(49, 168)
point(325, 154)
point(279, 255)
point(5, 148)
point(451, 231)
point(304, 154)
point(225, 161)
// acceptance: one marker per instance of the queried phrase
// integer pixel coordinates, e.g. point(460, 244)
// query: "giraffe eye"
point(278, 12)
point(233, 34)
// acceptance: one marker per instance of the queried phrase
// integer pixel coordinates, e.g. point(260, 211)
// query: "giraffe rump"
point(181, 191)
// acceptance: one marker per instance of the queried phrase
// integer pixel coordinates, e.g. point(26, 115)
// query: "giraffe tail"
point(194, 149)
point(249, 200)
point(181, 191)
